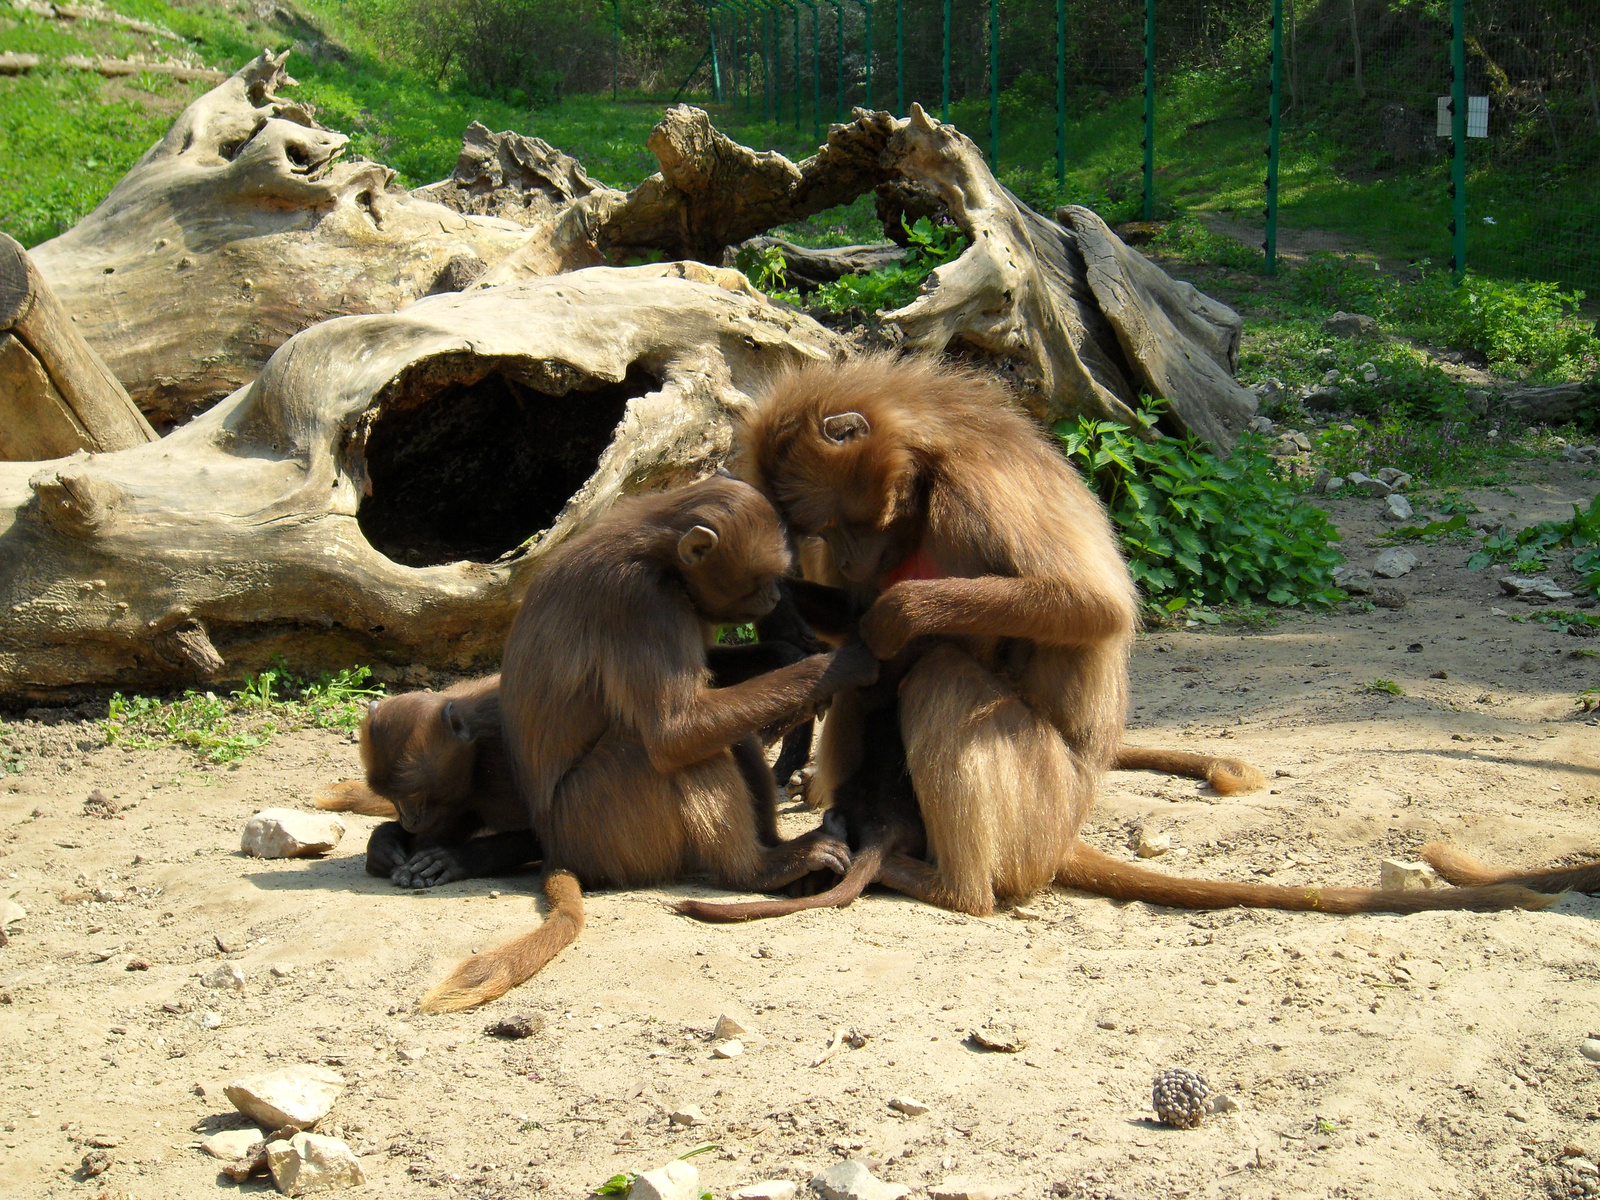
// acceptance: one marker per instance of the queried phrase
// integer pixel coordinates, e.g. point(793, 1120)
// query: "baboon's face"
point(420, 757)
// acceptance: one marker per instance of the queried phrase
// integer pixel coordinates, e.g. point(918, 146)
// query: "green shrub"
point(1198, 529)
point(1531, 548)
point(891, 287)
point(1188, 239)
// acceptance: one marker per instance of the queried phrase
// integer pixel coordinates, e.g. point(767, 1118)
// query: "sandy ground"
point(1422, 1056)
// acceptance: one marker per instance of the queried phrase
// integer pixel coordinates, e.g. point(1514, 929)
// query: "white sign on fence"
point(1477, 117)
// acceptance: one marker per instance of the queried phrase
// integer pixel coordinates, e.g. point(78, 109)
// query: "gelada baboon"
point(987, 561)
point(437, 761)
point(635, 770)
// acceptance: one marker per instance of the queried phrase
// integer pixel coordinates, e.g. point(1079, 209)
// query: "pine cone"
point(1179, 1097)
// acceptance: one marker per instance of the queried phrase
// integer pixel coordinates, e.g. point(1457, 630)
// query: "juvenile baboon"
point(983, 556)
point(635, 770)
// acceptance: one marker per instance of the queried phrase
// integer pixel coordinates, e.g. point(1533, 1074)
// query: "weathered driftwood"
point(56, 395)
point(383, 490)
point(237, 230)
point(809, 267)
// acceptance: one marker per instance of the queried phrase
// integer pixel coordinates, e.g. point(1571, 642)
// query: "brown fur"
point(1465, 871)
point(1014, 588)
point(1227, 776)
point(623, 752)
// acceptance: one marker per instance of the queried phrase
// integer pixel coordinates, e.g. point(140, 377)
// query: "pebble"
point(1394, 562)
point(309, 1162)
point(11, 912)
point(1153, 845)
point(1533, 587)
point(677, 1180)
point(299, 1095)
point(767, 1189)
point(1590, 1049)
point(516, 1028)
point(1396, 479)
point(230, 1144)
point(210, 1020)
point(729, 1049)
point(850, 1180)
point(687, 1117)
point(1355, 580)
point(228, 976)
point(1397, 508)
point(281, 970)
point(968, 1187)
point(728, 1027)
point(412, 1054)
point(1223, 1104)
point(1389, 597)
point(905, 1104)
point(999, 1035)
point(1375, 487)
point(1394, 875)
point(1517, 1114)
point(290, 833)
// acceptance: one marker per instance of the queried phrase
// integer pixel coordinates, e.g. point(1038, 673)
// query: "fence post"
point(944, 103)
point(1274, 111)
point(1061, 92)
point(838, 10)
point(799, 86)
point(994, 85)
point(616, 45)
point(1458, 138)
point(867, 8)
point(1149, 109)
point(899, 62)
point(716, 63)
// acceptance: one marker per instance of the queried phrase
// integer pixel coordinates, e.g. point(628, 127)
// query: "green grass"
point(1384, 687)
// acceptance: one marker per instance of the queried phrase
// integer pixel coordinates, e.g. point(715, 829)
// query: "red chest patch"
point(919, 566)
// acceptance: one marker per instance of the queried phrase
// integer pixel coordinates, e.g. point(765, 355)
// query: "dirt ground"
point(1422, 1056)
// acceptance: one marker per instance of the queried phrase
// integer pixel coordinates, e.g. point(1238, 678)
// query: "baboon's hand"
point(890, 622)
point(429, 868)
point(853, 665)
point(386, 849)
point(828, 854)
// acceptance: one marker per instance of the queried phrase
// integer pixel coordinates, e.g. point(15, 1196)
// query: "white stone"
point(1397, 876)
point(1222, 1104)
point(210, 1020)
point(1394, 562)
point(412, 1054)
point(281, 970)
point(728, 1027)
point(292, 1096)
point(230, 1144)
point(905, 1104)
point(1355, 580)
point(729, 1049)
point(675, 1181)
point(971, 1187)
point(1335, 482)
point(309, 1162)
point(10, 913)
point(1397, 508)
point(850, 1180)
point(227, 976)
point(1525, 586)
point(290, 833)
point(767, 1189)
point(1590, 1049)
point(1376, 487)
point(688, 1116)
point(1153, 845)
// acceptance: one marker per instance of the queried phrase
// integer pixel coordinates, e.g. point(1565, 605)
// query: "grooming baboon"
point(634, 768)
point(946, 509)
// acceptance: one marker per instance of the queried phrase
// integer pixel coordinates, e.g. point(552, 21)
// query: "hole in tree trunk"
point(470, 457)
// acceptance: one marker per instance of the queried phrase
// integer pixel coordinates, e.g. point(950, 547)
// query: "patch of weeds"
point(1432, 532)
point(1387, 687)
point(1536, 544)
point(895, 286)
point(1452, 502)
point(620, 1183)
point(1324, 1126)
point(1588, 700)
point(1191, 241)
point(1563, 620)
point(224, 729)
point(1198, 530)
point(1433, 451)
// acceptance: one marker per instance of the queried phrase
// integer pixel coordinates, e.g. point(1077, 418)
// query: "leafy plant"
point(1531, 547)
point(1387, 687)
point(1198, 529)
point(1186, 238)
point(895, 286)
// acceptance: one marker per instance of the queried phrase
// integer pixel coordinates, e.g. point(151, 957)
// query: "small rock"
point(1335, 482)
point(1583, 1166)
point(999, 1035)
point(729, 1049)
point(1376, 487)
point(1369, 373)
point(290, 833)
point(1324, 399)
point(1395, 875)
point(677, 1180)
point(281, 970)
point(1355, 580)
point(1517, 1114)
point(412, 1054)
point(1590, 1049)
point(1153, 845)
point(1262, 424)
point(687, 1117)
point(728, 1027)
point(209, 1020)
point(969, 1187)
point(850, 1180)
point(524, 1026)
point(1222, 1104)
point(292, 1096)
point(227, 976)
point(1396, 508)
point(10, 913)
point(1535, 588)
point(1397, 479)
point(230, 1144)
point(309, 1162)
point(1394, 562)
point(905, 1104)
point(767, 1189)
point(136, 964)
point(94, 1163)
point(1350, 325)
point(1389, 597)
point(1330, 376)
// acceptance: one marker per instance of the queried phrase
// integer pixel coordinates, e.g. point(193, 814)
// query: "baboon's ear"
point(842, 427)
point(455, 722)
point(372, 708)
point(696, 544)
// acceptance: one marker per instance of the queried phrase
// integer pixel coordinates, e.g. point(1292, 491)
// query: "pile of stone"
point(285, 1105)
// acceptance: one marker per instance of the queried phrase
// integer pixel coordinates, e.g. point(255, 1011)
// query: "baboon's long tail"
point(1099, 874)
point(1465, 871)
point(1229, 776)
point(863, 870)
point(492, 974)
point(353, 795)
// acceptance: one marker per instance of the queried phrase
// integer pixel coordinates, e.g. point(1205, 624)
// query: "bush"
point(1200, 530)
point(895, 286)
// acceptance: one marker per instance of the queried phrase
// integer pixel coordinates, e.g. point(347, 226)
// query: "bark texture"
point(384, 489)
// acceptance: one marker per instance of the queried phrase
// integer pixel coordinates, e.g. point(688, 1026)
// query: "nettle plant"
point(1199, 530)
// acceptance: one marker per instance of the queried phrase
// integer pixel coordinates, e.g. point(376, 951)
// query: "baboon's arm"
point(1052, 612)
